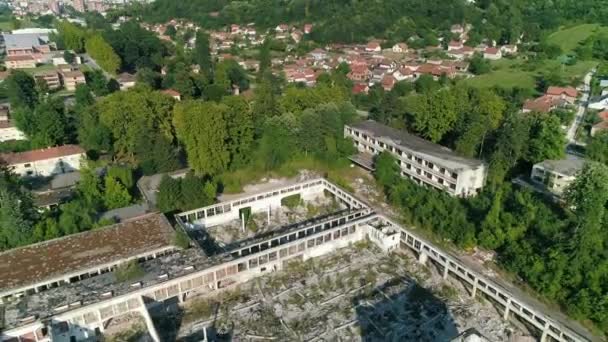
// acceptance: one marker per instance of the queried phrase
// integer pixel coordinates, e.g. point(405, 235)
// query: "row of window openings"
point(428, 175)
point(410, 157)
point(272, 256)
point(289, 238)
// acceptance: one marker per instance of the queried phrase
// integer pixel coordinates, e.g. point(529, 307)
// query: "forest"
point(395, 20)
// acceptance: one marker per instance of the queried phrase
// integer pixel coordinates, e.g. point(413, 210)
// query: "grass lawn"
point(6, 26)
point(569, 38)
point(509, 73)
point(40, 68)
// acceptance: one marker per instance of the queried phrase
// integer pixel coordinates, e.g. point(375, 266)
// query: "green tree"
point(131, 115)
point(202, 54)
point(72, 35)
point(201, 127)
point(547, 139)
point(21, 90)
point(116, 195)
point(99, 49)
point(387, 170)
point(17, 214)
point(169, 194)
point(264, 58)
point(240, 129)
point(479, 65)
point(264, 102)
point(597, 149)
point(432, 114)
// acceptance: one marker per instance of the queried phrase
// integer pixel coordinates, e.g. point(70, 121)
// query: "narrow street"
point(585, 89)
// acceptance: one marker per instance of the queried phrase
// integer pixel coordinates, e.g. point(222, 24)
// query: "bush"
point(128, 271)
point(292, 201)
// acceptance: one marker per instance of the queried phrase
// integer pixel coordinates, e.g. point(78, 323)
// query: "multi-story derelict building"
point(420, 160)
point(65, 290)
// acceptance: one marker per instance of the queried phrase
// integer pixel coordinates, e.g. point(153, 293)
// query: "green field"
point(569, 38)
point(509, 73)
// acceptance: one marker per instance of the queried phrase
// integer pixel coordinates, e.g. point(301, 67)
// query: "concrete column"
point(505, 316)
point(243, 222)
point(422, 257)
point(543, 337)
point(149, 323)
point(101, 327)
point(445, 270)
point(474, 291)
point(269, 215)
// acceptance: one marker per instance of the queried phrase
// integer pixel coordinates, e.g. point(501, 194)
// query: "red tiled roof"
point(568, 91)
point(492, 51)
point(171, 92)
point(543, 104)
point(19, 58)
point(372, 46)
point(41, 154)
point(603, 115)
point(359, 88)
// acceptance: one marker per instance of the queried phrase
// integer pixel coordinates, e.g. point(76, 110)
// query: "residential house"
point(492, 53)
point(565, 93)
point(72, 78)
point(373, 47)
point(20, 62)
point(556, 175)
point(50, 78)
point(307, 28)
point(235, 29)
point(602, 125)
point(282, 28)
point(455, 45)
point(388, 82)
point(404, 74)
point(424, 162)
point(509, 49)
point(543, 104)
point(400, 48)
point(45, 162)
point(599, 103)
point(360, 88)
point(126, 80)
point(318, 54)
point(172, 93)
point(358, 72)
point(457, 29)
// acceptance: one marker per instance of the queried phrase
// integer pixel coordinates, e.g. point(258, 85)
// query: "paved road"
point(582, 108)
point(91, 63)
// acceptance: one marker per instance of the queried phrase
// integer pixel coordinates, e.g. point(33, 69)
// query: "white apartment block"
point(45, 162)
point(556, 175)
point(420, 160)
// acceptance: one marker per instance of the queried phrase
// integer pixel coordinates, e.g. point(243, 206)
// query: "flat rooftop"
point(443, 154)
point(36, 263)
point(25, 40)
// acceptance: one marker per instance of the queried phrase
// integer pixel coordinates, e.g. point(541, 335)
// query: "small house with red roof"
point(455, 45)
point(307, 28)
point(45, 162)
point(566, 93)
point(360, 88)
point(492, 53)
point(373, 47)
point(173, 93)
point(602, 125)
